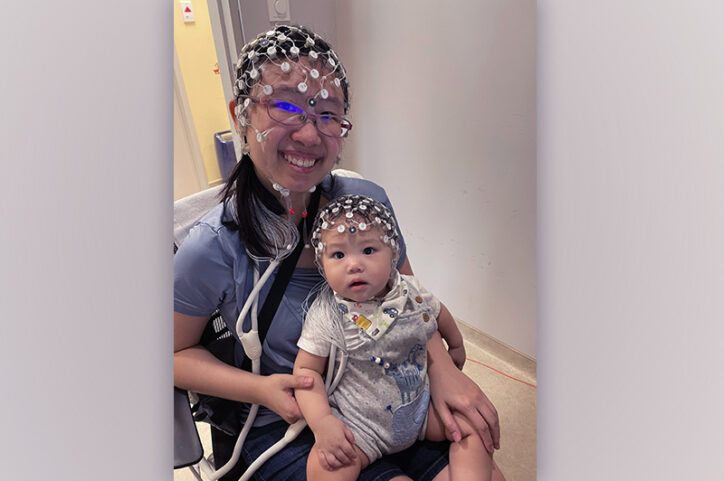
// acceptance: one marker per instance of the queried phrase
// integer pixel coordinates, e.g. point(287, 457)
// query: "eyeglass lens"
point(290, 114)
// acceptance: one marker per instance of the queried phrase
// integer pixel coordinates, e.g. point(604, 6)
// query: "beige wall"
point(444, 113)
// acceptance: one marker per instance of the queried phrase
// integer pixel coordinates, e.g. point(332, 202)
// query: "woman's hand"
point(335, 443)
point(451, 390)
point(278, 394)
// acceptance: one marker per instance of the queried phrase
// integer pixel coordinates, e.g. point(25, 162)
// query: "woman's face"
point(295, 157)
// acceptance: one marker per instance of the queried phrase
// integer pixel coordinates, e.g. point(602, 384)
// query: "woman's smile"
point(301, 160)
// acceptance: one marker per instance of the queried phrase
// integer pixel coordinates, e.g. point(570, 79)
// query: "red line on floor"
point(501, 372)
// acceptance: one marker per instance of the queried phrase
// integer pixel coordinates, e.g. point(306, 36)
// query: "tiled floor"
point(508, 379)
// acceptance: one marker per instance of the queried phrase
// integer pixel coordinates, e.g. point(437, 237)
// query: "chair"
point(187, 444)
point(187, 449)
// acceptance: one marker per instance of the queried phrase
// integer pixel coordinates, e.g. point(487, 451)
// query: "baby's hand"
point(335, 443)
point(457, 354)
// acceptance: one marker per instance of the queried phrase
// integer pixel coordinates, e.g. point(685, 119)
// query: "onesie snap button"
point(418, 299)
point(426, 317)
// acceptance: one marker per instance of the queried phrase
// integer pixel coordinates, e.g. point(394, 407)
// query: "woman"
point(291, 96)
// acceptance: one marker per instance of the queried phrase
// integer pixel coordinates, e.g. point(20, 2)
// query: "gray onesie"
point(384, 394)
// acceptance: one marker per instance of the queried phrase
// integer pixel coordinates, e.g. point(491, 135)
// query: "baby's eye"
point(338, 255)
point(368, 250)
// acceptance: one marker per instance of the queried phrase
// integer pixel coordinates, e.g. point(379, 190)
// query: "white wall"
point(443, 106)
point(315, 14)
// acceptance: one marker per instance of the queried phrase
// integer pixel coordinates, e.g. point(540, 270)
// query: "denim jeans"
point(421, 462)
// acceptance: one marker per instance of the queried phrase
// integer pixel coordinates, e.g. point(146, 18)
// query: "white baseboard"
point(498, 349)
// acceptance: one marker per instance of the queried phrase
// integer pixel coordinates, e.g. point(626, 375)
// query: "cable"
point(501, 372)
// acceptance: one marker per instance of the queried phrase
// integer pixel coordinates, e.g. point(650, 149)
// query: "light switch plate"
point(278, 10)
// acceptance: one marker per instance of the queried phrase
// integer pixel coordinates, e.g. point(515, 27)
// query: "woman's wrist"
point(257, 390)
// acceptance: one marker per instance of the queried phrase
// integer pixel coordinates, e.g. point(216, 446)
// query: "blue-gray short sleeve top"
point(212, 271)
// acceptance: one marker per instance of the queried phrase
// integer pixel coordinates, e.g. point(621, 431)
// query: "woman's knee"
point(466, 429)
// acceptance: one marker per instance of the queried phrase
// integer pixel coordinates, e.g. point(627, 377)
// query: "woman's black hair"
point(244, 191)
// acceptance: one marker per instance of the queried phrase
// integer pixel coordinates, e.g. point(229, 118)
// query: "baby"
point(382, 321)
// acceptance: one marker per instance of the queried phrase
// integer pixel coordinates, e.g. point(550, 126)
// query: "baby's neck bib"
point(375, 316)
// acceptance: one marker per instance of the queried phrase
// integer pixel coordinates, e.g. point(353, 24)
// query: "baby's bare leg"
point(316, 472)
point(469, 460)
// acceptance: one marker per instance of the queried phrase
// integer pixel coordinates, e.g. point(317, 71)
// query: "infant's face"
point(357, 266)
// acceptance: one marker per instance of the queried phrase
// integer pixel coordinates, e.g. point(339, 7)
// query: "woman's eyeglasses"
point(291, 115)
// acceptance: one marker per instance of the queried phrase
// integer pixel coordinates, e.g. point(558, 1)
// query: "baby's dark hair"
point(351, 213)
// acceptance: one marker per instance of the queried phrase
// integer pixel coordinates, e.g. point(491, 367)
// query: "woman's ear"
point(232, 111)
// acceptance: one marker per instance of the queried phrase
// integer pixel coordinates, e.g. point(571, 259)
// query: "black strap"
point(284, 274)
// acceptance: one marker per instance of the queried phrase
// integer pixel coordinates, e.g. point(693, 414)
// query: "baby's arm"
point(334, 440)
point(450, 332)
point(445, 325)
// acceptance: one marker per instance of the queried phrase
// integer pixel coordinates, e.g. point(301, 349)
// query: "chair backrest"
point(187, 211)
point(347, 173)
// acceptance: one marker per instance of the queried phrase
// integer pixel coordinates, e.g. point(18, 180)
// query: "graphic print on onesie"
point(413, 395)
